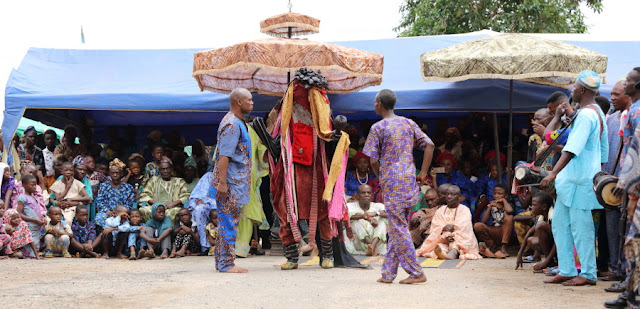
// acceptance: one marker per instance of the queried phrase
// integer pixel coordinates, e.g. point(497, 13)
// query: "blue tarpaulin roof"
point(103, 87)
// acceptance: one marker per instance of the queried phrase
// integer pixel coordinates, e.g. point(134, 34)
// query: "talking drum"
point(603, 185)
point(526, 176)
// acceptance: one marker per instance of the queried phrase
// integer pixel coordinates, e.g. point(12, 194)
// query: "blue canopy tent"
point(153, 89)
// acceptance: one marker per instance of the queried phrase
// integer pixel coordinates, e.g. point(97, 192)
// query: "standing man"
point(389, 146)
point(231, 177)
point(585, 150)
point(621, 103)
point(627, 184)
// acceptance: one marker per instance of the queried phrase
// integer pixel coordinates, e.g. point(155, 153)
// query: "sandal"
point(579, 281)
point(618, 287)
point(530, 259)
point(289, 266)
point(558, 279)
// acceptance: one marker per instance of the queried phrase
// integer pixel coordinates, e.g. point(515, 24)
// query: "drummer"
point(586, 149)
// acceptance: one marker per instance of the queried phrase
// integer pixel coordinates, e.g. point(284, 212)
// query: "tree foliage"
point(431, 17)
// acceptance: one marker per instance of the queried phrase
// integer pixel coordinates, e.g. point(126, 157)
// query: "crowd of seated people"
point(141, 201)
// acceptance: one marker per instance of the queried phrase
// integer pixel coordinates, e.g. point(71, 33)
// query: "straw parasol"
point(265, 66)
point(514, 57)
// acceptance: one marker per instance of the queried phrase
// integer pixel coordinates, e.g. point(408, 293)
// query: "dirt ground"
point(192, 282)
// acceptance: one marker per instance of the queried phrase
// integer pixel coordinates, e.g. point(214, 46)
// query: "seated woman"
point(113, 193)
point(357, 177)
point(172, 192)
point(369, 224)
point(200, 205)
point(461, 243)
point(451, 176)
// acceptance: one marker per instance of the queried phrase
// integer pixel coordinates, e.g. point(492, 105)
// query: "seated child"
point(135, 242)
point(115, 233)
point(69, 193)
point(499, 232)
point(539, 237)
point(5, 239)
point(185, 236)
point(157, 232)
point(212, 230)
point(448, 250)
point(21, 241)
point(58, 234)
point(84, 241)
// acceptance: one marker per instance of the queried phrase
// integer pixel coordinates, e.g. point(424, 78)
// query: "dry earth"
point(192, 282)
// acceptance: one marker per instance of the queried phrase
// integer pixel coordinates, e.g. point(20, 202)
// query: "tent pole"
point(510, 143)
point(497, 146)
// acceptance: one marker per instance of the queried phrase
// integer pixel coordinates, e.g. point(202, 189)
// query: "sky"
point(145, 24)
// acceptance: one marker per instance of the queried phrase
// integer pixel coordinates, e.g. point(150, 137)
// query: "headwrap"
point(116, 163)
point(157, 224)
point(359, 155)
point(190, 161)
point(79, 160)
point(492, 154)
point(29, 129)
point(155, 135)
point(589, 79)
point(447, 156)
point(10, 213)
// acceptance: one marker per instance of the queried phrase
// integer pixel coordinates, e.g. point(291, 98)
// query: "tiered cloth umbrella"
point(514, 57)
point(265, 66)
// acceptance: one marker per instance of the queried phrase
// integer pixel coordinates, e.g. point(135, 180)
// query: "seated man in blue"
point(200, 205)
point(454, 177)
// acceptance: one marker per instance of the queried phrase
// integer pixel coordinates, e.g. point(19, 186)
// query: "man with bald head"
point(231, 177)
point(369, 224)
point(621, 103)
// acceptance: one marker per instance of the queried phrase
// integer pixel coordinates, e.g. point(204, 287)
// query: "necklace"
point(366, 177)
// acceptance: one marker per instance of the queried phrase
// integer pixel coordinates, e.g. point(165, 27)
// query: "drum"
point(526, 176)
point(603, 185)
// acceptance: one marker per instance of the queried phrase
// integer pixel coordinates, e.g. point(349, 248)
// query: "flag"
point(81, 35)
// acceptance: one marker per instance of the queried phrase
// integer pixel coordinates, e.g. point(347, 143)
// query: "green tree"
point(431, 17)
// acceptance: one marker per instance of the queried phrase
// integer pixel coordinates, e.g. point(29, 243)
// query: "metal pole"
point(497, 146)
point(510, 143)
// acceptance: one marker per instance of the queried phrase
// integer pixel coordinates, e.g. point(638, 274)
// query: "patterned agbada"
point(252, 212)
point(391, 141)
point(629, 179)
point(164, 192)
point(234, 143)
point(109, 197)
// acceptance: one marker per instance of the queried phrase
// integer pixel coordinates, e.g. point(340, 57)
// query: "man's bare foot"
point(180, 253)
point(369, 251)
point(141, 254)
point(237, 270)
point(410, 280)
point(173, 254)
point(439, 253)
point(383, 280)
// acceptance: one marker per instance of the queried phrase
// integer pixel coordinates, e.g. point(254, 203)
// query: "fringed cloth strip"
point(313, 212)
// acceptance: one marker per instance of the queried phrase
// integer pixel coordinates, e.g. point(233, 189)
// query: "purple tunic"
point(391, 141)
